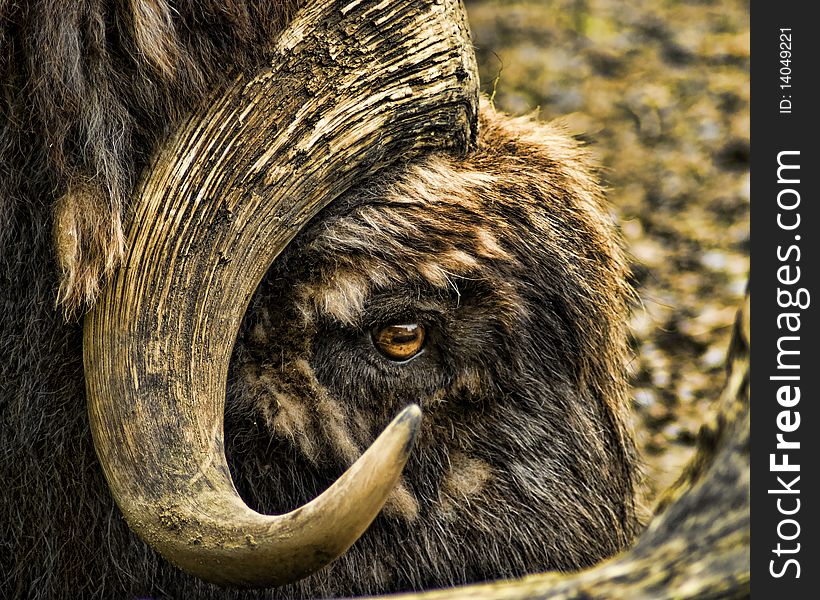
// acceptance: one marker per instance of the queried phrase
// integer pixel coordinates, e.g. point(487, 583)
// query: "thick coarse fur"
point(508, 257)
point(89, 87)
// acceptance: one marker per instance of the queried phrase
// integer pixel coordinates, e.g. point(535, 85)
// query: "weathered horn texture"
point(351, 87)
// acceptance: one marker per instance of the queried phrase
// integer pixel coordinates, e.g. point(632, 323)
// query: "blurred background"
point(659, 90)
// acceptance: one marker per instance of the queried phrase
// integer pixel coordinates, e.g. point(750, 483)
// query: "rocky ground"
point(660, 91)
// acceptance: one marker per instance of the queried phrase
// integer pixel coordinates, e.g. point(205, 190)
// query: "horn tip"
point(409, 420)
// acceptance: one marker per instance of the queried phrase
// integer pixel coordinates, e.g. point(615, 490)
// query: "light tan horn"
point(352, 87)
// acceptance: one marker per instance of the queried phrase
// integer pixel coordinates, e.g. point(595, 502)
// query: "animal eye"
point(399, 342)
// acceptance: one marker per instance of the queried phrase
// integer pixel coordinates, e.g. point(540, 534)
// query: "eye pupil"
point(399, 342)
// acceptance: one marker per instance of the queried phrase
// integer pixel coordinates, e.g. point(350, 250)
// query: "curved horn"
point(352, 86)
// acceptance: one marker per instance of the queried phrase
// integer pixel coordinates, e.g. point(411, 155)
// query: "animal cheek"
point(464, 484)
point(470, 387)
point(470, 382)
point(402, 504)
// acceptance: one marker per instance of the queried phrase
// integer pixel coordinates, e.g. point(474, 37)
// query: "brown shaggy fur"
point(508, 257)
point(90, 86)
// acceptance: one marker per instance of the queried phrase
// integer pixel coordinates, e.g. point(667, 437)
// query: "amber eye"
point(399, 342)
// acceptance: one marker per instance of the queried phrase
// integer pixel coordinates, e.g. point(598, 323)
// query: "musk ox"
point(487, 285)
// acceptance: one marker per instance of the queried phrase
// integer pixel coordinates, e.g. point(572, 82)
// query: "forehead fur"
point(527, 191)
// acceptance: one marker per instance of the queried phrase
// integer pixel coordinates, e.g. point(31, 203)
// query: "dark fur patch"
point(89, 87)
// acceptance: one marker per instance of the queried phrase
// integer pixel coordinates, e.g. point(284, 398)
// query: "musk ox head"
point(427, 252)
point(489, 290)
